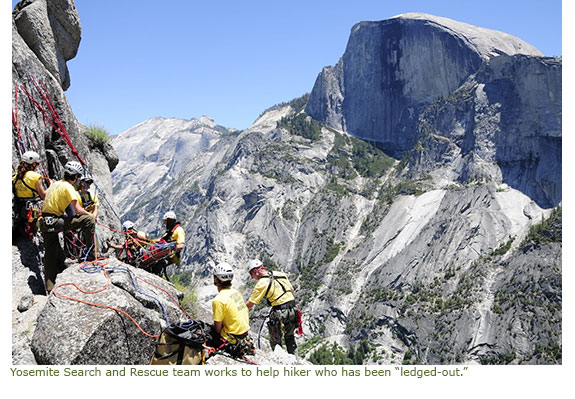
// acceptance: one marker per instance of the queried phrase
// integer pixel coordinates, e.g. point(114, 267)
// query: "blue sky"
point(233, 59)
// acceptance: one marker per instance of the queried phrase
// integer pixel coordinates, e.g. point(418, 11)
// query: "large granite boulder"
point(109, 314)
point(51, 28)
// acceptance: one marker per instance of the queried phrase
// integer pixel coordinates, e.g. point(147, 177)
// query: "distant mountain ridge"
point(157, 151)
point(476, 133)
point(415, 203)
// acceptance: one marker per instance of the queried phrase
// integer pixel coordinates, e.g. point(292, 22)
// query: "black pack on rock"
point(183, 343)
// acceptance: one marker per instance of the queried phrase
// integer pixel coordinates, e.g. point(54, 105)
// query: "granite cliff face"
point(503, 124)
point(51, 29)
point(45, 34)
point(409, 254)
point(394, 68)
point(442, 256)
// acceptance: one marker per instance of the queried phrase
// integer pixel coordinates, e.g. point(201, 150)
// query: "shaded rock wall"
point(392, 69)
point(503, 124)
point(45, 34)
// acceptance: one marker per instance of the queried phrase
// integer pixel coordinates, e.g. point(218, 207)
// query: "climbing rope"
point(54, 118)
point(16, 123)
point(260, 329)
point(103, 195)
point(99, 305)
point(50, 115)
point(102, 265)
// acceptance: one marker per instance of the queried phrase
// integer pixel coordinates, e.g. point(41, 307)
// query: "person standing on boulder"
point(54, 219)
point(277, 289)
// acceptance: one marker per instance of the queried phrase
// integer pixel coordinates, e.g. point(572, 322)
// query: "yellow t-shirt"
point(230, 308)
point(179, 236)
point(92, 197)
point(30, 178)
point(58, 197)
point(276, 295)
point(86, 197)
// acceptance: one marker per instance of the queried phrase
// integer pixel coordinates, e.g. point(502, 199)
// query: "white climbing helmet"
point(224, 271)
point(254, 264)
point(87, 179)
point(73, 168)
point(127, 225)
point(31, 157)
point(169, 215)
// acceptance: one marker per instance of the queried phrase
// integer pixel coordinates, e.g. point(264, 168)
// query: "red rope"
point(99, 305)
point(54, 119)
point(16, 121)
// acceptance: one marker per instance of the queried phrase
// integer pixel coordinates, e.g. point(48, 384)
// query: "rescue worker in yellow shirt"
point(174, 235)
point(231, 316)
point(277, 289)
point(29, 192)
point(88, 199)
point(54, 219)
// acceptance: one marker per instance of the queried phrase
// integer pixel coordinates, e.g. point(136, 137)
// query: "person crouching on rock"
point(231, 316)
point(54, 219)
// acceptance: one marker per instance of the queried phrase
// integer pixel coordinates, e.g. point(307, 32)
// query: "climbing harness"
point(273, 278)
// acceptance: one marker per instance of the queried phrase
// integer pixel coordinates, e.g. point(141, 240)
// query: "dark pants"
point(54, 254)
point(238, 347)
point(283, 322)
point(23, 209)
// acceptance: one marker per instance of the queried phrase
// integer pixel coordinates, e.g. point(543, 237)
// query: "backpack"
point(183, 344)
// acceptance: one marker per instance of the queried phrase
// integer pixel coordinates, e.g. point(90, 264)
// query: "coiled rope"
point(102, 265)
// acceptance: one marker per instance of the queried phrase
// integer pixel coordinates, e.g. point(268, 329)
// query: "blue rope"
point(97, 269)
point(260, 330)
point(102, 194)
point(88, 252)
point(99, 190)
